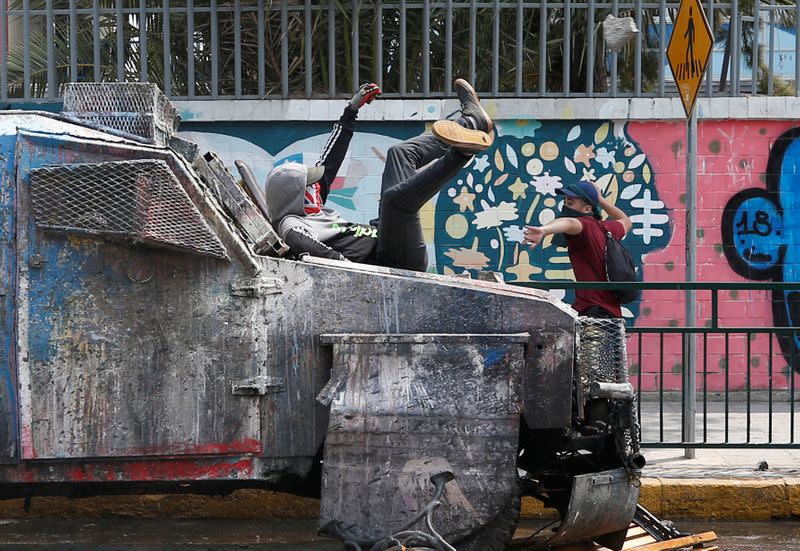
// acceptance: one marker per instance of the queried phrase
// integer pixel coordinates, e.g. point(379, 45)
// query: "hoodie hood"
point(284, 191)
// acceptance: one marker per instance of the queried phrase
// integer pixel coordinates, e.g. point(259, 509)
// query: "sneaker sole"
point(460, 82)
point(457, 136)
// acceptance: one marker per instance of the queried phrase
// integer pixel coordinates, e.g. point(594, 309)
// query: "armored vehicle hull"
point(153, 340)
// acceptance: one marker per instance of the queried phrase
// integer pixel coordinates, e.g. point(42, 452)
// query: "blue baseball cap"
point(582, 190)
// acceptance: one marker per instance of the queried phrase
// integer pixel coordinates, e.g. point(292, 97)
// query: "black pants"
point(404, 191)
point(404, 188)
point(598, 312)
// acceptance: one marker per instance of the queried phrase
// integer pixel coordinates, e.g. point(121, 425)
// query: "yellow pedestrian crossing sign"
point(688, 51)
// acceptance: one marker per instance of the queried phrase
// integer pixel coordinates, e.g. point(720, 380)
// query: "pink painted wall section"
point(732, 156)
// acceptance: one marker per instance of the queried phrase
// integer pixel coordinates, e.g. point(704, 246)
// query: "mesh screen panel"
point(140, 200)
point(135, 107)
point(602, 353)
point(603, 358)
point(139, 125)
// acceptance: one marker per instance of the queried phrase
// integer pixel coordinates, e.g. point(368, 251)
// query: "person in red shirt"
point(584, 233)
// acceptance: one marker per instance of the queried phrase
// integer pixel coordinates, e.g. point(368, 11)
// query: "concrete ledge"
point(705, 499)
point(700, 499)
point(722, 499)
point(395, 110)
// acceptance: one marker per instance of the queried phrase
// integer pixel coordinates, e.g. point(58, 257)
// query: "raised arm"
point(336, 147)
point(614, 212)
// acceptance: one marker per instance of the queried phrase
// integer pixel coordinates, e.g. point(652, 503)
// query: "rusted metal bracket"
point(36, 261)
point(258, 386)
point(256, 287)
point(267, 242)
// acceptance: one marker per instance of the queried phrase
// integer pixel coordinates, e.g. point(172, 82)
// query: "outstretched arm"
point(336, 147)
point(535, 234)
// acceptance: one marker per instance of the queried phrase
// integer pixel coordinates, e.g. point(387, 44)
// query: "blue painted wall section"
point(761, 235)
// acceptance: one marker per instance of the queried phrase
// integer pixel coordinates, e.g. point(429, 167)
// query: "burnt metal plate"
point(600, 504)
point(412, 406)
point(9, 415)
point(263, 238)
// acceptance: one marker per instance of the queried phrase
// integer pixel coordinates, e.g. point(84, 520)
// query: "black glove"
point(365, 94)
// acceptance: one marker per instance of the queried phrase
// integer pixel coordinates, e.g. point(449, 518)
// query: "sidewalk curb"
point(703, 498)
point(728, 499)
point(672, 498)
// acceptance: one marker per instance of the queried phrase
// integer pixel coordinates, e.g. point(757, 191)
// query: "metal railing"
point(717, 411)
point(248, 49)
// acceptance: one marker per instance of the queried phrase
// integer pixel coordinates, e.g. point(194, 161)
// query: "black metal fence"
point(715, 385)
point(246, 49)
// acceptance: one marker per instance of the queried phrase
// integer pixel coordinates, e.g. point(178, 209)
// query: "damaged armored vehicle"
point(158, 336)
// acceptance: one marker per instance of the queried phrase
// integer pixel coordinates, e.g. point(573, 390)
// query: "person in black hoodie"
point(296, 194)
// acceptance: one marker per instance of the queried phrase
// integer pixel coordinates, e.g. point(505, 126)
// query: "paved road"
point(751, 536)
point(732, 536)
point(229, 535)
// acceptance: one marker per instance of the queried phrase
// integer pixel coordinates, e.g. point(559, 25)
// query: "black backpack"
point(619, 268)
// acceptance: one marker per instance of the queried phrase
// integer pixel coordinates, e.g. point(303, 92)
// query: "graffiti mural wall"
point(760, 231)
point(480, 216)
point(746, 213)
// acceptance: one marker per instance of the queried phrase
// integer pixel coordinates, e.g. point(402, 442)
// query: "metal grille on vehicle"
point(138, 108)
point(602, 353)
point(602, 363)
point(140, 200)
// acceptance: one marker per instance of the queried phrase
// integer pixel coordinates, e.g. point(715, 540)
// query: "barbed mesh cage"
point(140, 200)
point(602, 351)
point(138, 108)
point(602, 357)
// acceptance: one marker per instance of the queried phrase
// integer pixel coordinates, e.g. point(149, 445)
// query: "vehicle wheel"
point(497, 535)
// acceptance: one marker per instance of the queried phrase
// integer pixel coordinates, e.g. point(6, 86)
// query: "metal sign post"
point(688, 53)
point(690, 342)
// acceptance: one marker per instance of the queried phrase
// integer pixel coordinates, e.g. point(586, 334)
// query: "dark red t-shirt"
point(587, 252)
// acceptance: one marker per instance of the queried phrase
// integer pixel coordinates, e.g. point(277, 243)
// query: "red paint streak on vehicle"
point(188, 470)
point(154, 470)
point(77, 474)
point(26, 441)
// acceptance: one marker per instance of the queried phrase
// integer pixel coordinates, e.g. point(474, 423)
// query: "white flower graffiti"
point(605, 157)
point(493, 216)
point(514, 234)
point(588, 175)
point(481, 163)
point(547, 184)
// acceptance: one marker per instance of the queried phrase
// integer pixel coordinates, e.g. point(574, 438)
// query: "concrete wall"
point(634, 148)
